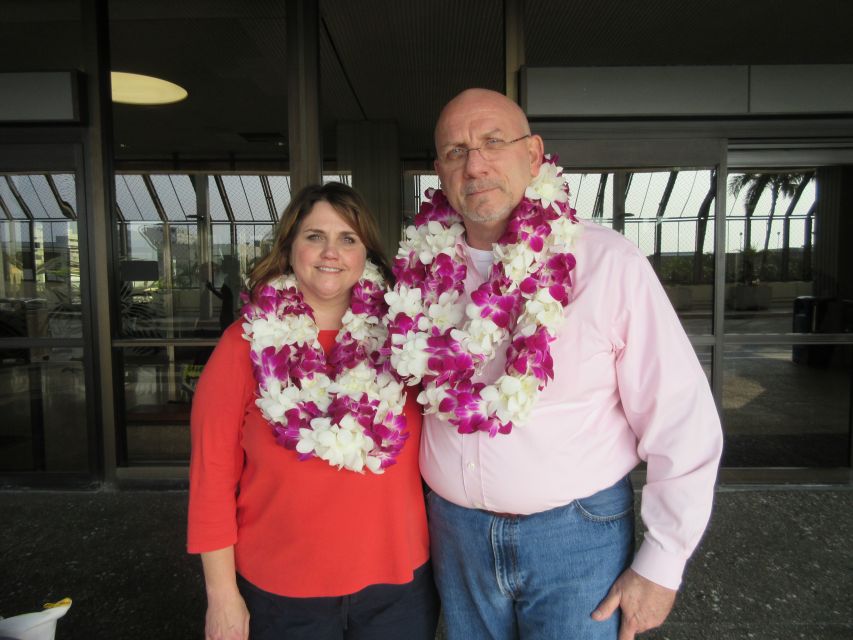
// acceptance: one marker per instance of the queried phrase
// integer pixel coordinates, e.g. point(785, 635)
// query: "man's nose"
point(475, 162)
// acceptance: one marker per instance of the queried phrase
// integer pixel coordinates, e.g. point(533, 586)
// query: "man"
point(532, 531)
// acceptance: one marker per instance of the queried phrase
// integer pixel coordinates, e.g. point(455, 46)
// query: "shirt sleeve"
point(223, 394)
point(669, 406)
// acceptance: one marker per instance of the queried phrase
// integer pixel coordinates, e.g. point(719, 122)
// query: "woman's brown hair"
point(350, 206)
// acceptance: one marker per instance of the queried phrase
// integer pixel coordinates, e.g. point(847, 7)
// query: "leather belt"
point(497, 514)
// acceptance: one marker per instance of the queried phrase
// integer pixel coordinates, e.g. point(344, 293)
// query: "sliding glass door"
point(43, 354)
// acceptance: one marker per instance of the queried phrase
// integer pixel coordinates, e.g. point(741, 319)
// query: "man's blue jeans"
point(532, 577)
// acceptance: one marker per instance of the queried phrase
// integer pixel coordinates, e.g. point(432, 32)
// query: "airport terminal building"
point(717, 136)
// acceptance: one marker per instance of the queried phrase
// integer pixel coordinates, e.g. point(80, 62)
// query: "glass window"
point(10, 201)
point(43, 395)
point(591, 195)
point(345, 178)
point(177, 195)
point(40, 269)
point(67, 188)
point(214, 201)
point(142, 287)
point(254, 241)
point(280, 188)
point(134, 200)
point(239, 197)
point(787, 406)
point(669, 215)
point(38, 196)
point(770, 242)
point(158, 389)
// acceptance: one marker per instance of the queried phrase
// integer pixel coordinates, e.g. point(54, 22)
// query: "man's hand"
point(645, 604)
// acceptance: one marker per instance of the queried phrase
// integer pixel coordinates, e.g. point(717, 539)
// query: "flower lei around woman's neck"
point(347, 410)
point(438, 340)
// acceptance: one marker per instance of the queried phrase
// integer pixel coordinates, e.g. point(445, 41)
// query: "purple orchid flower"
point(452, 365)
point(532, 355)
point(443, 274)
point(436, 208)
point(500, 309)
point(409, 271)
point(271, 365)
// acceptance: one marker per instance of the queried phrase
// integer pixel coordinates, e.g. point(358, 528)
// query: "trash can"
point(808, 317)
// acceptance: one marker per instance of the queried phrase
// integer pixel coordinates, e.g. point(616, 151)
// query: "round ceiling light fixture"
point(134, 88)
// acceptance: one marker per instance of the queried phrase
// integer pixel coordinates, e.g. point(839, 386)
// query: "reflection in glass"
point(280, 189)
point(591, 195)
point(159, 383)
point(177, 196)
point(247, 198)
point(134, 200)
point(215, 203)
point(43, 404)
point(39, 257)
point(769, 249)
point(191, 297)
point(37, 194)
point(787, 406)
point(669, 215)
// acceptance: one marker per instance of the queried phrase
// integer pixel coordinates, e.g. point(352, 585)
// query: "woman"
point(305, 498)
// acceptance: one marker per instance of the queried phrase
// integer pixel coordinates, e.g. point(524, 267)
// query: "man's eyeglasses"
point(490, 150)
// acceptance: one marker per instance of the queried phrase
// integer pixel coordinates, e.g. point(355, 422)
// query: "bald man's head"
point(486, 157)
point(473, 100)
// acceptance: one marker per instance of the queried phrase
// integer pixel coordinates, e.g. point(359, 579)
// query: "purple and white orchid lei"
point(347, 410)
point(439, 341)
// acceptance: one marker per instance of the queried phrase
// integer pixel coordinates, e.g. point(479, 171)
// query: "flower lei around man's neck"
point(438, 340)
point(347, 410)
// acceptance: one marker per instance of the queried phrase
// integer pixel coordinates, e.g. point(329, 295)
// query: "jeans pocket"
point(608, 505)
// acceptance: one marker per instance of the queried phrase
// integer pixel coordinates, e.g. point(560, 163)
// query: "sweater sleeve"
point(224, 392)
point(668, 403)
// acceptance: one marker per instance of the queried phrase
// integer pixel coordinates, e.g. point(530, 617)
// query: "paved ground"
point(775, 564)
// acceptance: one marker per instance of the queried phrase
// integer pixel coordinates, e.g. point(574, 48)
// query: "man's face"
point(485, 190)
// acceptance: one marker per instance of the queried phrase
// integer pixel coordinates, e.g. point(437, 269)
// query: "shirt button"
point(472, 466)
point(478, 505)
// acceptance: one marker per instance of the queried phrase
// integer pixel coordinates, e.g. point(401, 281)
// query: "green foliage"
point(679, 269)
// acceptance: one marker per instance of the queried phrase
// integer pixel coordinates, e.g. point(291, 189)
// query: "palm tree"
point(664, 201)
point(702, 227)
point(780, 184)
point(786, 225)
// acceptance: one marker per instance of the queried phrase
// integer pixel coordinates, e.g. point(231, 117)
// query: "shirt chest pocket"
point(584, 364)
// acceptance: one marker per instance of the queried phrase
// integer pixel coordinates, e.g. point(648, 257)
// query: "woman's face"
point(327, 257)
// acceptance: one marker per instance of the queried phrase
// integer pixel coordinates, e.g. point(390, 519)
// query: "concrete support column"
point(833, 261)
point(99, 189)
point(371, 151)
point(303, 93)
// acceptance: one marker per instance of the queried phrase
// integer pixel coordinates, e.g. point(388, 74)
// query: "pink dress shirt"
point(627, 387)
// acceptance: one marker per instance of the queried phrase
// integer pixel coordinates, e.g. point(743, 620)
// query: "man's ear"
point(536, 150)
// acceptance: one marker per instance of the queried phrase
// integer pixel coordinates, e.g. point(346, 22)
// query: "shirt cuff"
point(659, 566)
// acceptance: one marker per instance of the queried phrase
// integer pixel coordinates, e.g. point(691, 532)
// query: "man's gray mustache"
point(480, 185)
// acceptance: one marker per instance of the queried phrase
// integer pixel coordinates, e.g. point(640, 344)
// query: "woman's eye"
point(349, 240)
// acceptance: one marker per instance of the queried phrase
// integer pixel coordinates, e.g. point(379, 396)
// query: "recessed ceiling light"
point(133, 88)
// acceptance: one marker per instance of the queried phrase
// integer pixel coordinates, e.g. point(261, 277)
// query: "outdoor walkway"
point(775, 564)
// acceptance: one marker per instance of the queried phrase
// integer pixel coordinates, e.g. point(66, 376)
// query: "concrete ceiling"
point(387, 60)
